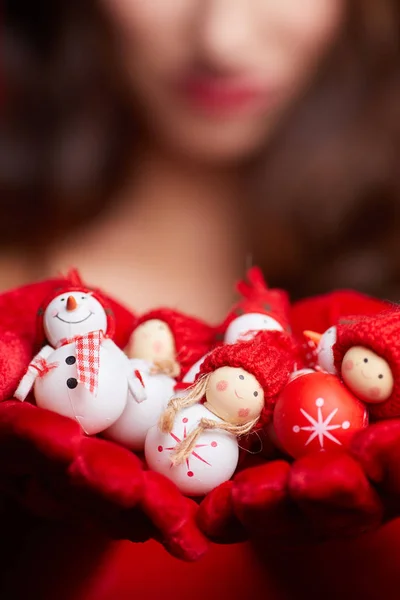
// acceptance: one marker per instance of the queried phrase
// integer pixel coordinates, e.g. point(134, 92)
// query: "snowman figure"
point(195, 443)
point(259, 309)
point(160, 347)
point(324, 344)
point(80, 373)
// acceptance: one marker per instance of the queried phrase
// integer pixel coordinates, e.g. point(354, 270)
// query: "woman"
point(130, 127)
point(161, 146)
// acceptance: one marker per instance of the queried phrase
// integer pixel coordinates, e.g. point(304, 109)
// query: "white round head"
point(73, 314)
point(234, 395)
point(247, 326)
point(325, 350)
point(152, 341)
point(368, 375)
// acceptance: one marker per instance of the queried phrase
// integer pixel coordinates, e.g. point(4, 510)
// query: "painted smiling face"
point(152, 341)
point(73, 314)
point(234, 395)
point(367, 375)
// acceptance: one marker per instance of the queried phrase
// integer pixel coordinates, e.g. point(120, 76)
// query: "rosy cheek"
point(375, 392)
point(348, 365)
point(54, 313)
point(158, 347)
point(243, 412)
point(222, 385)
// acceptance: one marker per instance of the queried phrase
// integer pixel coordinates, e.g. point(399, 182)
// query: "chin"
point(213, 141)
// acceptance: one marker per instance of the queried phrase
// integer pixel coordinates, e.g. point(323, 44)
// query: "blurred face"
point(213, 77)
point(152, 341)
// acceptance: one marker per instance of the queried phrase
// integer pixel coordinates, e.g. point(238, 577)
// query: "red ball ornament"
point(317, 412)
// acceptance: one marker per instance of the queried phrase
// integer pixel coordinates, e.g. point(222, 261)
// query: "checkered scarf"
point(87, 349)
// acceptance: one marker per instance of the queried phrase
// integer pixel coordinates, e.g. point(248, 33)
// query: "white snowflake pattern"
point(321, 428)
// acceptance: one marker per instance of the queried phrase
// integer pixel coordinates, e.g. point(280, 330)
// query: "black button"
point(72, 383)
point(70, 360)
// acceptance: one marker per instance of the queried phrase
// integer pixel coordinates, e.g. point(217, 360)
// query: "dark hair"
point(328, 185)
point(66, 125)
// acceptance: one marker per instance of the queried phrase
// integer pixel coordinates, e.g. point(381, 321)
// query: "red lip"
point(217, 95)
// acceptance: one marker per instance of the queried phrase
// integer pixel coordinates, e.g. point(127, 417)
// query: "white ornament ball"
point(213, 460)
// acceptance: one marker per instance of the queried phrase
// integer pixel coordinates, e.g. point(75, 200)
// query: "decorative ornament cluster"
point(192, 396)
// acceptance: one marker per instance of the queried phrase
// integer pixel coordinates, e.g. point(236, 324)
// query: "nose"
point(313, 336)
point(225, 33)
point(71, 303)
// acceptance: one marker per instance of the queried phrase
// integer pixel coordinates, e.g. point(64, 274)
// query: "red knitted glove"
point(334, 495)
point(256, 501)
point(320, 496)
point(377, 449)
point(51, 467)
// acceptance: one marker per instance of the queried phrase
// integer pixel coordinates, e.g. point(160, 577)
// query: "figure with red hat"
point(171, 340)
point(196, 442)
point(163, 346)
point(80, 372)
point(259, 309)
point(367, 355)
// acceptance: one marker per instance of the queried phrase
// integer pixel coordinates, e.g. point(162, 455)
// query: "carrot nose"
point(71, 303)
point(313, 336)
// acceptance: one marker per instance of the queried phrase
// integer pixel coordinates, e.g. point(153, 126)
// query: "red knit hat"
point(270, 356)
point(193, 338)
point(381, 334)
point(73, 283)
point(256, 297)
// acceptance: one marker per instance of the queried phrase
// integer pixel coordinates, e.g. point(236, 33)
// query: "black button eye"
point(255, 394)
point(62, 300)
point(380, 376)
point(70, 360)
point(83, 297)
point(365, 360)
point(241, 376)
point(72, 383)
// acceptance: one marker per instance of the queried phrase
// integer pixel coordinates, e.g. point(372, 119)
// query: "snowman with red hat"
point(163, 346)
point(195, 443)
point(79, 372)
point(259, 309)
